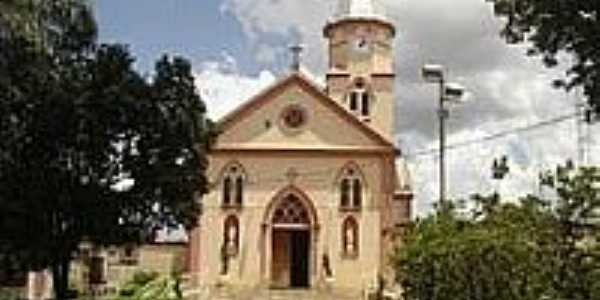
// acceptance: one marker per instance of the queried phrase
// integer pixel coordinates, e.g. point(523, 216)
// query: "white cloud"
point(509, 89)
point(267, 54)
point(223, 88)
point(297, 19)
point(469, 168)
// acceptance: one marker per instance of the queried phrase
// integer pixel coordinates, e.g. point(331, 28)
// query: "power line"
point(325, 172)
point(433, 151)
point(318, 174)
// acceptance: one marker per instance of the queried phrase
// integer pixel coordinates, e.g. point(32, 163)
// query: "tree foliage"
point(151, 286)
point(57, 25)
point(554, 27)
point(90, 150)
point(533, 249)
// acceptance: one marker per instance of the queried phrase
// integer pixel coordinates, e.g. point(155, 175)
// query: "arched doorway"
point(290, 228)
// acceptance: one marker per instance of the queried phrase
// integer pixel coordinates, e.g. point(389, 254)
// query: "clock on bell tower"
point(361, 63)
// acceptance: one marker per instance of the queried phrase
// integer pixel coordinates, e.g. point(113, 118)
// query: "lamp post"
point(448, 91)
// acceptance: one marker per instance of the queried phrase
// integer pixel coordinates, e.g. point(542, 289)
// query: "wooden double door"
point(291, 253)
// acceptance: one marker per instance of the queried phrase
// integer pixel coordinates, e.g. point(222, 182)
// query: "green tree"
point(575, 251)
point(554, 27)
point(92, 151)
point(532, 249)
point(49, 24)
point(448, 256)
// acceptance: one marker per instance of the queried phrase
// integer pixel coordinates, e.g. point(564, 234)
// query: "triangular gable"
point(310, 88)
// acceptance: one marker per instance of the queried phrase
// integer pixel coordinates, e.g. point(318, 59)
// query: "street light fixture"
point(449, 92)
point(454, 92)
point(433, 73)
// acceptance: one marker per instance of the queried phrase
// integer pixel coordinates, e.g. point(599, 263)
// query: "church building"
point(307, 187)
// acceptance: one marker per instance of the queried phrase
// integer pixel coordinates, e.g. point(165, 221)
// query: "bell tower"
point(361, 74)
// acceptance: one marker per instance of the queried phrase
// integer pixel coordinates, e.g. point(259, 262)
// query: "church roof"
point(228, 120)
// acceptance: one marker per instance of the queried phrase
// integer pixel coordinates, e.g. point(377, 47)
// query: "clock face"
point(361, 45)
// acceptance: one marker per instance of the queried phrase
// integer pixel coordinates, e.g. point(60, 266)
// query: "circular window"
point(294, 117)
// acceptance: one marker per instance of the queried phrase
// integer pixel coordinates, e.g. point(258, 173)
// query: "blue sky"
point(237, 47)
point(196, 29)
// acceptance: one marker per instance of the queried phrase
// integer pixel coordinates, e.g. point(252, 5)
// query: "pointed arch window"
point(239, 190)
point(357, 192)
point(226, 191)
point(351, 189)
point(345, 192)
point(291, 211)
point(233, 185)
point(359, 99)
point(350, 238)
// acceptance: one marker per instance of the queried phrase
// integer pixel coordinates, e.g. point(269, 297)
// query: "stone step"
point(225, 293)
point(302, 295)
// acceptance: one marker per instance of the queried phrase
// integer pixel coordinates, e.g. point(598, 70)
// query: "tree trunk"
point(60, 278)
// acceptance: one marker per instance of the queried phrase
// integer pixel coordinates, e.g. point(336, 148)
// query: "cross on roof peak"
point(296, 51)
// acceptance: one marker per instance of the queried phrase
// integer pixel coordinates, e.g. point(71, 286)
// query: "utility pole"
point(448, 92)
point(443, 115)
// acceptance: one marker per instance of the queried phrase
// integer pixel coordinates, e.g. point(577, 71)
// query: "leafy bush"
point(150, 286)
point(529, 250)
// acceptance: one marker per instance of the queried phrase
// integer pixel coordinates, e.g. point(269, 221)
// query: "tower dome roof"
point(359, 10)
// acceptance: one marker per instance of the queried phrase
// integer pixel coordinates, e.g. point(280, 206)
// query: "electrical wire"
point(498, 135)
point(326, 172)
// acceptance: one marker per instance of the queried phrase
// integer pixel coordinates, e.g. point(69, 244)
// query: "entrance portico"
point(290, 243)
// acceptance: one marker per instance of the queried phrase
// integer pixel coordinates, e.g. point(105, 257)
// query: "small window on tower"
point(365, 105)
point(354, 101)
point(359, 99)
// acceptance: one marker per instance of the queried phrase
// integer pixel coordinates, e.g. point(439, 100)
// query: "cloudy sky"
point(238, 47)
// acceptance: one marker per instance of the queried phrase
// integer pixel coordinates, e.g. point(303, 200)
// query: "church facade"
point(307, 188)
